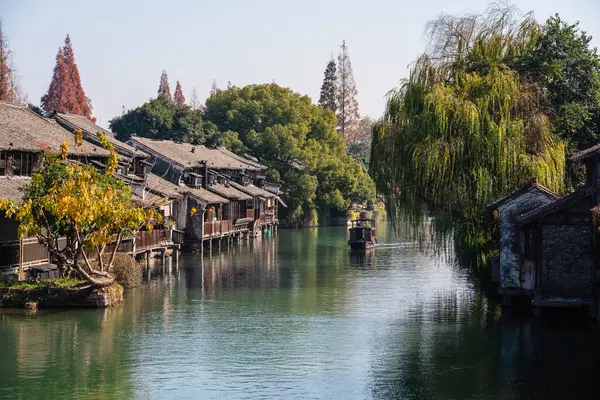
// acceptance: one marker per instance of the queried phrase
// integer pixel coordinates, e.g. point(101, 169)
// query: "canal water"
point(297, 316)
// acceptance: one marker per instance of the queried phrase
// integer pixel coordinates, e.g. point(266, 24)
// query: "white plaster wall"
point(509, 258)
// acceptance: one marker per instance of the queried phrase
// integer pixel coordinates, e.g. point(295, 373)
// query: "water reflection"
point(298, 315)
point(77, 355)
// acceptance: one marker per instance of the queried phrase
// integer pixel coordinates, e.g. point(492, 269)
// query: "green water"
point(293, 316)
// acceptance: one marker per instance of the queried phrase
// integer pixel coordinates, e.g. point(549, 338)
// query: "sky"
point(121, 47)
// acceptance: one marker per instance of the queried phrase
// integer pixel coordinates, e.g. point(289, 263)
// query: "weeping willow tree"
point(465, 129)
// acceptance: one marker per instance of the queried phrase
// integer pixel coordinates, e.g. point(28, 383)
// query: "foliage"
point(89, 209)
point(358, 141)
point(65, 93)
point(328, 98)
point(5, 68)
point(164, 90)
point(232, 141)
point(10, 90)
point(194, 101)
point(347, 105)
point(178, 97)
point(568, 71)
point(60, 283)
point(465, 129)
point(81, 106)
point(162, 119)
point(298, 142)
point(127, 272)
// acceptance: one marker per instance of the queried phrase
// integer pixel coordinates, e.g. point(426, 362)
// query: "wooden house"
point(206, 223)
point(265, 204)
point(132, 162)
point(150, 191)
point(24, 138)
point(515, 277)
point(219, 172)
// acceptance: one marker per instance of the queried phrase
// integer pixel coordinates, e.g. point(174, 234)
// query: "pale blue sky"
point(122, 46)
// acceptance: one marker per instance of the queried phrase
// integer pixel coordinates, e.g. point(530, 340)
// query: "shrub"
point(126, 271)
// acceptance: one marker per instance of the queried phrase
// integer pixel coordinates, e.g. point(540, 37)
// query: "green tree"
point(328, 98)
point(568, 70)
point(298, 142)
point(465, 129)
point(160, 118)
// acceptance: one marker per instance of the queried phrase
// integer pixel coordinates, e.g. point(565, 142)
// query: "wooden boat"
point(362, 234)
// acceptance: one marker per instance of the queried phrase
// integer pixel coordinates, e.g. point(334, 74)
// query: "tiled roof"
point(24, 130)
point(168, 189)
point(583, 154)
point(229, 192)
point(190, 156)
point(206, 196)
point(74, 122)
point(253, 190)
point(243, 159)
point(162, 186)
point(555, 205)
point(10, 187)
point(518, 192)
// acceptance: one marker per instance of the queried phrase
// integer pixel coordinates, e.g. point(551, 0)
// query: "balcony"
point(217, 228)
point(267, 218)
point(147, 240)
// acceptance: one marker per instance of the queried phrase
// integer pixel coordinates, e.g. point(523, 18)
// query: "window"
point(2, 163)
point(19, 164)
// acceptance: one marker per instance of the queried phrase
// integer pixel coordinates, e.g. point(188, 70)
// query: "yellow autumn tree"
point(78, 212)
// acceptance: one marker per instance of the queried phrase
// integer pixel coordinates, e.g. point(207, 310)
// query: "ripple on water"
point(294, 316)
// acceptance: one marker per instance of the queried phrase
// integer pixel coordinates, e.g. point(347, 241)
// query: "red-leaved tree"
point(81, 106)
point(65, 93)
point(5, 70)
point(60, 95)
point(178, 97)
point(9, 87)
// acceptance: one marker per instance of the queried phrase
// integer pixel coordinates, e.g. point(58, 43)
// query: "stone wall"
point(50, 297)
point(567, 261)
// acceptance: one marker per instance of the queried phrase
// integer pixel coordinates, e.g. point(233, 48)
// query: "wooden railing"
point(217, 228)
point(166, 235)
point(147, 240)
point(242, 225)
point(266, 218)
point(33, 253)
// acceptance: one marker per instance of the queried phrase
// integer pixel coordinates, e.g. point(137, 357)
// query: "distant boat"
point(362, 234)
